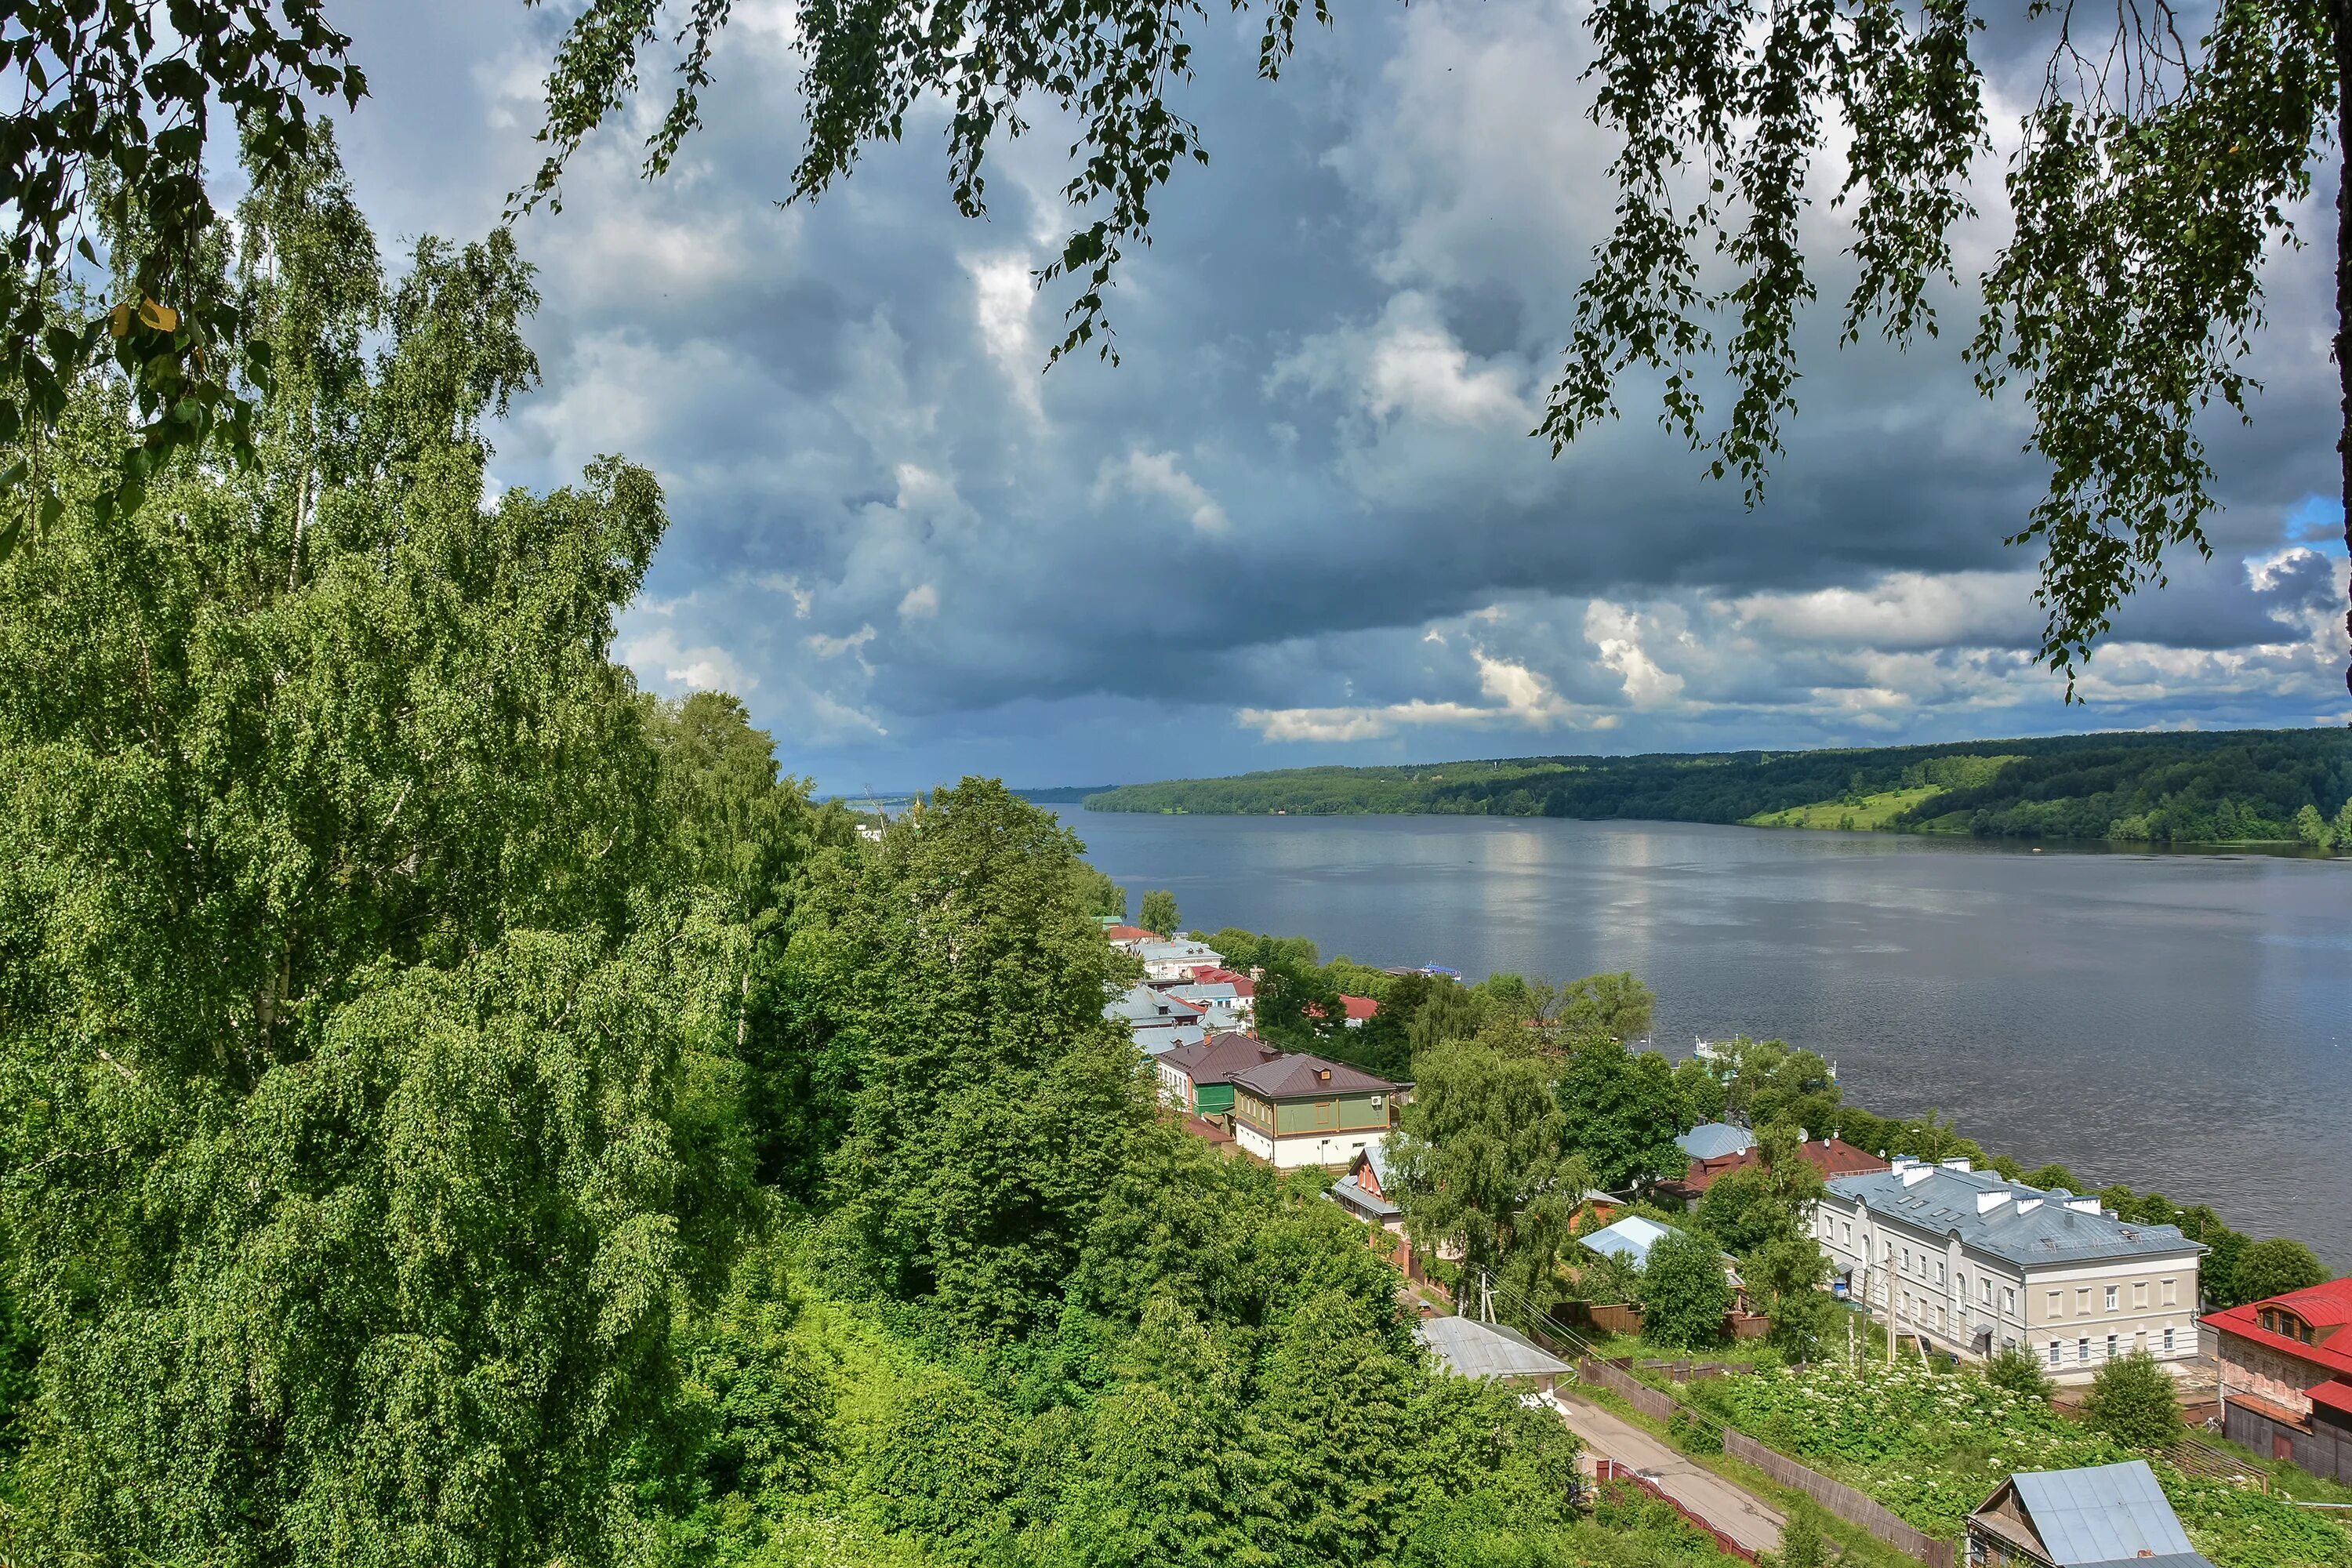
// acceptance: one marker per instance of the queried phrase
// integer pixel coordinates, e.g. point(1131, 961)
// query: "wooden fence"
point(1835, 1495)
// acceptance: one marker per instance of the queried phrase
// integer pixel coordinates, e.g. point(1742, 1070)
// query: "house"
point(1631, 1239)
point(2108, 1514)
point(1713, 1139)
point(1158, 1020)
point(1176, 958)
point(1364, 1191)
point(1468, 1348)
point(1198, 1077)
point(1222, 1009)
point(1976, 1264)
point(2285, 1367)
point(1299, 1110)
point(1244, 988)
point(1128, 937)
point(1357, 1010)
point(1830, 1156)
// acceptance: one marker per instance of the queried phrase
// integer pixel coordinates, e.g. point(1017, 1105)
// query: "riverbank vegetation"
point(2243, 787)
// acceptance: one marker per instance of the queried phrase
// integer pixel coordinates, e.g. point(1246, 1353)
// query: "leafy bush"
point(2020, 1373)
point(2132, 1400)
point(1694, 1432)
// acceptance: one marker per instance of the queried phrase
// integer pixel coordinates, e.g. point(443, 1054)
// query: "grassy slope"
point(1871, 813)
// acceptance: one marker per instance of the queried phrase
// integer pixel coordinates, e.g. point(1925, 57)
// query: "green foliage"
point(1160, 916)
point(1098, 894)
point(1931, 1446)
point(1480, 1165)
point(2017, 1372)
point(1624, 1112)
point(1684, 1293)
point(1800, 1537)
point(2170, 788)
point(106, 146)
point(2133, 1401)
point(1694, 1432)
point(964, 984)
point(2274, 1267)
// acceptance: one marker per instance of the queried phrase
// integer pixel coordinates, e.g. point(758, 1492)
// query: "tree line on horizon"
point(2253, 785)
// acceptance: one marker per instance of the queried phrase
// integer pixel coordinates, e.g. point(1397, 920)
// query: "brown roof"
point(1217, 1059)
point(1299, 1077)
point(1830, 1156)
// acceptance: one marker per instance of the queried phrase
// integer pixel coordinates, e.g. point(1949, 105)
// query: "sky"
point(1303, 520)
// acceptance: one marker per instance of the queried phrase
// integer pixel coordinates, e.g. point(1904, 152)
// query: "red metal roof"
point(1360, 1006)
point(2335, 1396)
point(1830, 1156)
point(2326, 1307)
point(1128, 933)
point(1210, 974)
point(1299, 1077)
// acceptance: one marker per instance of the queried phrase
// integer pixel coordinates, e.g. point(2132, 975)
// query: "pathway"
point(1739, 1513)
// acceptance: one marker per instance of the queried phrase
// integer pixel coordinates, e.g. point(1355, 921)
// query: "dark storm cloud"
point(1306, 506)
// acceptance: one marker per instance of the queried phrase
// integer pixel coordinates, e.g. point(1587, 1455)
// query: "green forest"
point(2238, 786)
point(461, 1110)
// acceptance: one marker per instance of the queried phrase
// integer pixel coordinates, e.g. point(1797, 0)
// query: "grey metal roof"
point(2101, 1514)
point(1713, 1139)
point(2161, 1559)
point(1378, 1156)
point(1472, 1348)
point(1352, 1194)
point(1630, 1239)
point(2004, 1219)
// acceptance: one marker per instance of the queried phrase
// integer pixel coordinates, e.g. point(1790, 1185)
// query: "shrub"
point(1684, 1293)
point(2133, 1401)
point(2020, 1373)
point(1694, 1432)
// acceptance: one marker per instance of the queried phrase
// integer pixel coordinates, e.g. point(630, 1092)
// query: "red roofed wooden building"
point(1830, 1156)
point(2286, 1375)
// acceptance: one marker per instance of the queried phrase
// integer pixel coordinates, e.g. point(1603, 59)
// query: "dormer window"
point(1322, 1075)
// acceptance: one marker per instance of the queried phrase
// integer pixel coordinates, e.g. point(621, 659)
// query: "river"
point(2173, 1021)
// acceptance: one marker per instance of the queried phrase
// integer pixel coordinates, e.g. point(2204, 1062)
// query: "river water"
point(2174, 1021)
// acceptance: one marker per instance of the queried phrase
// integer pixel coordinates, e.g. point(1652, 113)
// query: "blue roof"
point(1348, 1191)
point(1713, 1139)
point(1630, 1239)
point(2102, 1514)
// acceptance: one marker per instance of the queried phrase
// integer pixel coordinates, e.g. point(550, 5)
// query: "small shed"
point(2105, 1514)
point(1468, 1348)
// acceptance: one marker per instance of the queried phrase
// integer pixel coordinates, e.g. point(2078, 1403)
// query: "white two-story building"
point(1976, 1264)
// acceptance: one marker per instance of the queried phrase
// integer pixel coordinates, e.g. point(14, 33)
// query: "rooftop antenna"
point(876, 804)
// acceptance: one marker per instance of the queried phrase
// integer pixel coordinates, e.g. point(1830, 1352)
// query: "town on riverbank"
point(1738, 1289)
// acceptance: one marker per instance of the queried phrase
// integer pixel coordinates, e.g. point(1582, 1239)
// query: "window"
point(2172, 1292)
point(2115, 1296)
point(2270, 1322)
point(1849, 1236)
point(2083, 1350)
point(2008, 1301)
point(2111, 1347)
point(1939, 1273)
point(1984, 1292)
point(2168, 1342)
point(2057, 1352)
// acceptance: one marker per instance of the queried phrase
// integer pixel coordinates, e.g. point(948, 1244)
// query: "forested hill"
point(2234, 786)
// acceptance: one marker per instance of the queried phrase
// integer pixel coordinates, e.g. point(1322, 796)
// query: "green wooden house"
point(1298, 1111)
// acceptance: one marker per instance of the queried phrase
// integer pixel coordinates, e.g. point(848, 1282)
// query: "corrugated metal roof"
point(1713, 1139)
point(1471, 1349)
point(1630, 1239)
point(2101, 1514)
